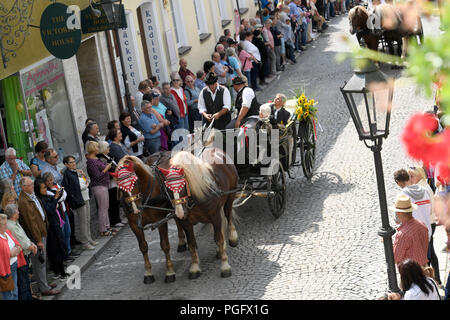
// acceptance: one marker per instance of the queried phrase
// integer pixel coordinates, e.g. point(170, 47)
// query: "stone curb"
point(86, 259)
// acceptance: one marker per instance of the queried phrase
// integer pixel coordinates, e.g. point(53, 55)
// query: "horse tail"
point(198, 173)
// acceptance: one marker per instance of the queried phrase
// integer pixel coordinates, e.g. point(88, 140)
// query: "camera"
point(41, 256)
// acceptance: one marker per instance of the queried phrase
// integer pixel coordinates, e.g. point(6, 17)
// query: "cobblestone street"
point(325, 245)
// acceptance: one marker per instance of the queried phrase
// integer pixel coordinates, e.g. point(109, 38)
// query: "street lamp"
point(368, 95)
point(114, 13)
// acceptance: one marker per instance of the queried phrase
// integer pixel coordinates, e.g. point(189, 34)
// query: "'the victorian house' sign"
point(61, 27)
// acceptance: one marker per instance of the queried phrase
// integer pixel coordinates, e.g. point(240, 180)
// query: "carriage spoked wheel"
point(276, 187)
point(307, 146)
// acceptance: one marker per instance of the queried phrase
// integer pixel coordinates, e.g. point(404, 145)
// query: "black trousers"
point(72, 228)
point(114, 207)
point(432, 258)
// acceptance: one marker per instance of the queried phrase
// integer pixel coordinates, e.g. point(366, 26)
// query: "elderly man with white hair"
point(14, 169)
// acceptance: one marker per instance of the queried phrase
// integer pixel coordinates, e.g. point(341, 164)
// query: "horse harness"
point(163, 201)
point(164, 180)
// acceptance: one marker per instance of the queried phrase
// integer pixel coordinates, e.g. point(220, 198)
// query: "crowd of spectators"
point(419, 209)
point(48, 212)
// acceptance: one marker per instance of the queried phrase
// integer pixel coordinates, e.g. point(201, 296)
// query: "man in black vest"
point(247, 106)
point(214, 102)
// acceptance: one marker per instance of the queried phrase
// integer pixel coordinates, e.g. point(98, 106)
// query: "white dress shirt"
point(247, 97)
point(11, 245)
point(252, 49)
point(226, 99)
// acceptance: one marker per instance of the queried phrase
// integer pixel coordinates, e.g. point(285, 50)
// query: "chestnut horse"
point(207, 197)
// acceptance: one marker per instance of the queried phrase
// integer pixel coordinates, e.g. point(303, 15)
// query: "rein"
point(188, 200)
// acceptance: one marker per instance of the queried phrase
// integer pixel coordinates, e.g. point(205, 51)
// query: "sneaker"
point(124, 221)
point(119, 225)
point(63, 278)
point(88, 246)
point(93, 243)
point(55, 276)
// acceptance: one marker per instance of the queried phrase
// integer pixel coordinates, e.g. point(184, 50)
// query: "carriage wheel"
point(307, 146)
point(277, 184)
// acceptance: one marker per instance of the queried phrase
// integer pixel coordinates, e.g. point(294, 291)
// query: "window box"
point(243, 10)
point(225, 23)
point(204, 36)
point(183, 50)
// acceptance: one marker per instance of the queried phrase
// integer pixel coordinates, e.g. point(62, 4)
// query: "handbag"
point(6, 283)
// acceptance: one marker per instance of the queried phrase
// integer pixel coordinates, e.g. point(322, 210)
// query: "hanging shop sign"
point(130, 54)
point(154, 41)
point(91, 23)
point(60, 30)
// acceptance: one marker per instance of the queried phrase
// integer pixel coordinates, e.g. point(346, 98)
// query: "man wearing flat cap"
point(411, 240)
point(214, 102)
point(247, 106)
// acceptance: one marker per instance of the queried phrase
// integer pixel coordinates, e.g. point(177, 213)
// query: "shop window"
point(49, 109)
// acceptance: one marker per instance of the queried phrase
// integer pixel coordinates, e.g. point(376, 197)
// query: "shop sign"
point(60, 30)
point(42, 76)
point(130, 54)
point(91, 23)
point(154, 41)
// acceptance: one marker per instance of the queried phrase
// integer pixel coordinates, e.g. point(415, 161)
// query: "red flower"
point(419, 140)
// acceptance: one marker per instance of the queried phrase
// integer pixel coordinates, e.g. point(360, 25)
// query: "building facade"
point(45, 98)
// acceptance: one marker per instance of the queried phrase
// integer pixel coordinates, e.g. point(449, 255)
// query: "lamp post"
point(371, 117)
point(114, 14)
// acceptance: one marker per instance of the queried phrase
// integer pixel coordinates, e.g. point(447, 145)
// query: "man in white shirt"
point(214, 102)
point(418, 196)
point(246, 104)
point(248, 46)
point(33, 220)
point(144, 88)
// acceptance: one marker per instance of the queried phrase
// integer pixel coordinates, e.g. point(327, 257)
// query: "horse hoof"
point(233, 244)
point(170, 279)
point(182, 247)
point(149, 279)
point(225, 274)
point(194, 275)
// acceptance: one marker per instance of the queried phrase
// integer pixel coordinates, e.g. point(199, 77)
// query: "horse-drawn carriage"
point(296, 148)
point(386, 24)
point(205, 184)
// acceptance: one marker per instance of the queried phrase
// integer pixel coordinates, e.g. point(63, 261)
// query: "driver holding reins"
point(246, 105)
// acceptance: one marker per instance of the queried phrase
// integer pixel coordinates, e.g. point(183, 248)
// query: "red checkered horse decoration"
point(175, 182)
point(126, 177)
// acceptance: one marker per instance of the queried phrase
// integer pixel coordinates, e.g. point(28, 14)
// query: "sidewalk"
point(85, 260)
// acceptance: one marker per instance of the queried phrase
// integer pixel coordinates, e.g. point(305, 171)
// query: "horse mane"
point(198, 173)
point(136, 161)
point(358, 16)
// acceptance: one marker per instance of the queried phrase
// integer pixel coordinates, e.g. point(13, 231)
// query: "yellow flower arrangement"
point(305, 108)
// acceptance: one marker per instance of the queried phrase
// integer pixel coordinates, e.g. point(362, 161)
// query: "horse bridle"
point(186, 200)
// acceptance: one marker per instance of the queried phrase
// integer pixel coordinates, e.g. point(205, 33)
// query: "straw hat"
point(403, 204)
